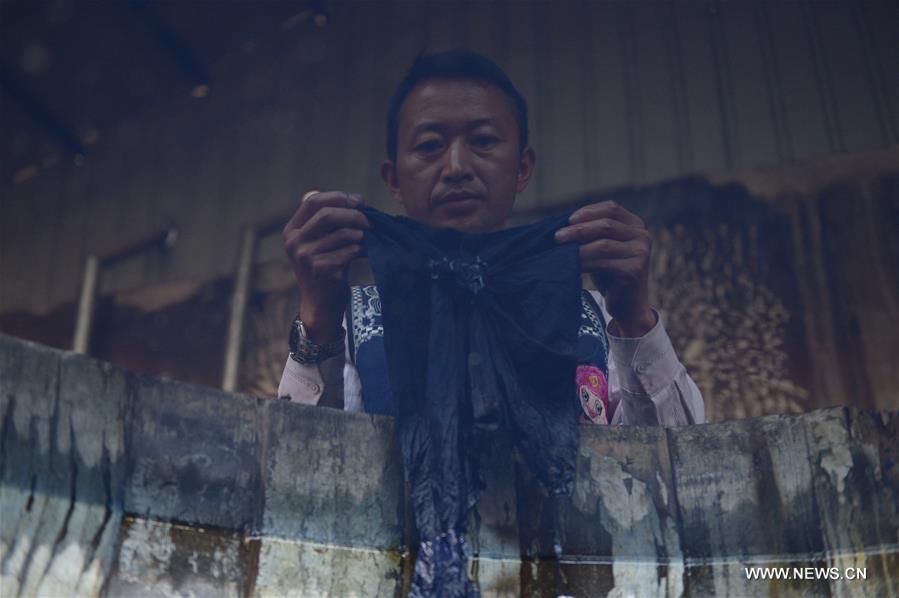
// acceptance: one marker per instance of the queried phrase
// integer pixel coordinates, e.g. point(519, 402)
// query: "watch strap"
point(303, 350)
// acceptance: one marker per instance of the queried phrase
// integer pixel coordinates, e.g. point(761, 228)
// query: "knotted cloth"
point(480, 330)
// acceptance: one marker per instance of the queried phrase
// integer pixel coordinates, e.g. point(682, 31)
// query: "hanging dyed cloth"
point(480, 330)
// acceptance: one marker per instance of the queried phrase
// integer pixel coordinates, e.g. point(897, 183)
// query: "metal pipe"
point(86, 304)
point(163, 240)
point(237, 315)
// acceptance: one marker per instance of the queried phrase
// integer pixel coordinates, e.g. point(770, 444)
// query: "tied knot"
point(464, 273)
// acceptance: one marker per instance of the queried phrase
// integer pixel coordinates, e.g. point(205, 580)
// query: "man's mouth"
point(457, 197)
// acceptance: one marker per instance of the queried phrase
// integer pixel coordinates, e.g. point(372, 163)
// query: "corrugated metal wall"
point(620, 92)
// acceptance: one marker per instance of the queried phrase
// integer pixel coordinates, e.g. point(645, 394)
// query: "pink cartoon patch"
point(593, 392)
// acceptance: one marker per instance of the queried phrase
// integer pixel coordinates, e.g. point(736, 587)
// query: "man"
point(458, 155)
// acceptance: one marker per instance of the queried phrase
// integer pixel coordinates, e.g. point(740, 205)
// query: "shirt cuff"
point(646, 365)
point(301, 383)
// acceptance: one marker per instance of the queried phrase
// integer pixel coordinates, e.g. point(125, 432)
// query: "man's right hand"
point(321, 239)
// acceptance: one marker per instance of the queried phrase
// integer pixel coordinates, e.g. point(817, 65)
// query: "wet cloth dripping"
point(479, 330)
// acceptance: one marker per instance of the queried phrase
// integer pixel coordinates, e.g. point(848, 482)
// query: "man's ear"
point(526, 164)
point(388, 173)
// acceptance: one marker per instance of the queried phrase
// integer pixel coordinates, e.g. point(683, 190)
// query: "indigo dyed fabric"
point(479, 330)
point(366, 335)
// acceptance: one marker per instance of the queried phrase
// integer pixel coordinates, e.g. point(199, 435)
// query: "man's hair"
point(454, 64)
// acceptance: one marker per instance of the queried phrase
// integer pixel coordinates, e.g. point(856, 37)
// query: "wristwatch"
point(303, 350)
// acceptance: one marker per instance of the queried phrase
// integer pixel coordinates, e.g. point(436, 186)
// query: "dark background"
point(757, 139)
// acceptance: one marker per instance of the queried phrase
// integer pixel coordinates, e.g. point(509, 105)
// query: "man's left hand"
point(614, 249)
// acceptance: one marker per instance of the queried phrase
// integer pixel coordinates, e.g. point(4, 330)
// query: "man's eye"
point(428, 147)
point(484, 141)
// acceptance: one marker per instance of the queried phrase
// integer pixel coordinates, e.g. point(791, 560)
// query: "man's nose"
point(458, 164)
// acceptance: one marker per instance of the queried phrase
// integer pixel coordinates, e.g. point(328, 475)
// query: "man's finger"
point(338, 239)
point(609, 249)
point(605, 209)
point(329, 219)
point(332, 264)
point(602, 228)
point(610, 269)
point(311, 204)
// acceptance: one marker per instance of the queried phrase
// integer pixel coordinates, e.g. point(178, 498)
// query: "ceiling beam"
point(176, 47)
point(40, 113)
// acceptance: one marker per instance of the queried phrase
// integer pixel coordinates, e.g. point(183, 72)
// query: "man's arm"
point(645, 376)
point(647, 380)
point(320, 240)
point(322, 237)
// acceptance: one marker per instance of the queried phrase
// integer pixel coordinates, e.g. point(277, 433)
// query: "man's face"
point(457, 160)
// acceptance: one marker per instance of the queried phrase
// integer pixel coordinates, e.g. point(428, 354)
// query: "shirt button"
point(315, 388)
point(641, 368)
